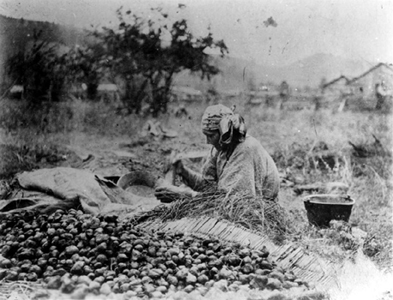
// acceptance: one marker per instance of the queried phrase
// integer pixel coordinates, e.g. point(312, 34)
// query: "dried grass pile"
point(258, 215)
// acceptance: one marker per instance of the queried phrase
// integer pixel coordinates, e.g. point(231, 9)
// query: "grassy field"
point(289, 136)
point(32, 138)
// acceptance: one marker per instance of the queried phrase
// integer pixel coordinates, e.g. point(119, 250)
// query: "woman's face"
point(213, 138)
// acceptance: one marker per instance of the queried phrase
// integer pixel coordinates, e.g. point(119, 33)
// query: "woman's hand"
point(176, 162)
point(168, 193)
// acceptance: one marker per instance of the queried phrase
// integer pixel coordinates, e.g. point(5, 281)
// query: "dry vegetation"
point(33, 138)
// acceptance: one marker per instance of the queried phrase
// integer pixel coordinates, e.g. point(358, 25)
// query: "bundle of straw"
point(259, 215)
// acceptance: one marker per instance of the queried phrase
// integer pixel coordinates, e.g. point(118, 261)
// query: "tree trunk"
point(92, 91)
point(139, 97)
point(155, 105)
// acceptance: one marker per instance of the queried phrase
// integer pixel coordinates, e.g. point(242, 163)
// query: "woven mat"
point(306, 266)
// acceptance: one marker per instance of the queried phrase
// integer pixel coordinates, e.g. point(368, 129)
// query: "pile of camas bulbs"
point(72, 251)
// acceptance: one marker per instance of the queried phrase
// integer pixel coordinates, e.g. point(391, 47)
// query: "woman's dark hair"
point(237, 138)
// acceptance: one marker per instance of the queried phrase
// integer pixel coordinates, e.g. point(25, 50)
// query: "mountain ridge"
point(236, 72)
point(310, 71)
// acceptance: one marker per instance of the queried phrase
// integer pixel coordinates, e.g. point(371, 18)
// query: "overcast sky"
point(361, 30)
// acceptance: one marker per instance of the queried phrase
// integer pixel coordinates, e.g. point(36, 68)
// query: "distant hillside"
point(15, 34)
point(236, 73)
point(18, 32)
point(312, 69)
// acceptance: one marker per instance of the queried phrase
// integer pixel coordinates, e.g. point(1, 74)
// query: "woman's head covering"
point(222, 118)
point(213, 115)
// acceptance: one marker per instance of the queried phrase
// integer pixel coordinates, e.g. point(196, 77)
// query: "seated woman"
point(237, 164)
